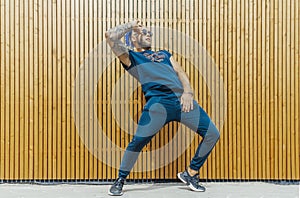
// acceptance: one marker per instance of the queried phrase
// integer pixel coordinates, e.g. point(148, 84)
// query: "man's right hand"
point(136, 25)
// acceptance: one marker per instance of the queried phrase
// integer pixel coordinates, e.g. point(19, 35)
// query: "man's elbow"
point(107, 35)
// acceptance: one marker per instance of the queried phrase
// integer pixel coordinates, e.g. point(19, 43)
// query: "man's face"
point(143, 37)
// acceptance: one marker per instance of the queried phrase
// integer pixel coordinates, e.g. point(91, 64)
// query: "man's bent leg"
point(205, 147)
point(131, 154)
point(151, 121)
point(198, 120)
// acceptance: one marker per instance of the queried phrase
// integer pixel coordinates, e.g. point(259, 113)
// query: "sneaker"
point(116, 188)
point(192, 182)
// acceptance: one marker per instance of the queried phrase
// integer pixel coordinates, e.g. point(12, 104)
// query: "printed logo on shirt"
point(155, 57)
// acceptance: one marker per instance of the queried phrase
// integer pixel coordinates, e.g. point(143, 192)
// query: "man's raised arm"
point(113, 37)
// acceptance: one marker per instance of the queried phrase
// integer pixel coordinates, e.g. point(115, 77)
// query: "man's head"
point(141, 38)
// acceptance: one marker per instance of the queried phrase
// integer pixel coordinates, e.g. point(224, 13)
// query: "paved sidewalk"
point(158, 190)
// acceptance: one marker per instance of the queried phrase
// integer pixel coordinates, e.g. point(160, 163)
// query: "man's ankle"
point(191, 171)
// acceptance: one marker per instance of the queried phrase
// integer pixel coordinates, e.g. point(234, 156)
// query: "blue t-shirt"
point(155, 73)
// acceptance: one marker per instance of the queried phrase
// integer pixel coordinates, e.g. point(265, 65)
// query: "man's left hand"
point(187, 102)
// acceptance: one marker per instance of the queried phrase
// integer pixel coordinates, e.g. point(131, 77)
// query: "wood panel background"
point(254, 43)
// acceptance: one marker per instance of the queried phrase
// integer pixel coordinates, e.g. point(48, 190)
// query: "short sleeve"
point(124, 66)
point(131, 60)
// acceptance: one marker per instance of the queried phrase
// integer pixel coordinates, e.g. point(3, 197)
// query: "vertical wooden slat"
point(86, 90)
point(220, 21)
point(70, 89)
point(267, 75)
point(258, 87)
point(68, 116)
point(82, 129)
point(272, 89)
point(263, 87)
point(108, 94)
point(218, 109)
point(17, 93)
point(54, 78)
point(84, 63)
point(292, 99)
point(245, 8)
point(94, 19)
point(226, 127)
point(77, 48)
point(251, 95)
point(39, 8)
point(45, 88)
point(276, 136)
point(230, 88)
point(11, 112)
point(104, 88)
point(243, 94)
point(235, 129)
point(63, 97)
point(80, 93)
point(297, 90)
point(256, 44)
point(99, 99)
point(238, 89)
point(288, 90)
point(115, 14)
point(9, 133)
point(6, 93)
point(35, 88)
point(74, 58)
point(2, 85)
point(30, 91)
point(26, 90)
point(280, 86)
point(89, 80)
point(284, 91)
point(58, 88)
point(49, 149)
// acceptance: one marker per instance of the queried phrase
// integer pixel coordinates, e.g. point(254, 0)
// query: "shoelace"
point(119, 183)
point(196, 179)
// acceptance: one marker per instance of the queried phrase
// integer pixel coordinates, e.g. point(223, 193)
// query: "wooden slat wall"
point(254, 43)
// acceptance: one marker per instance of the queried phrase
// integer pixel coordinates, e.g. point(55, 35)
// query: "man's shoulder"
point(165, 52)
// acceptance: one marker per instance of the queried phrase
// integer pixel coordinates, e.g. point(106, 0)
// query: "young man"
point(169, 98)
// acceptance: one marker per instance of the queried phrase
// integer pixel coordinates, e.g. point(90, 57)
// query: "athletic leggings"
point(158, 112)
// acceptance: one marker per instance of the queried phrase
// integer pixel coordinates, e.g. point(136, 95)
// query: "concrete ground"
point(155, 190)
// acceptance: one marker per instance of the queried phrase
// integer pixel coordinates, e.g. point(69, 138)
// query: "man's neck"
point(143, 49)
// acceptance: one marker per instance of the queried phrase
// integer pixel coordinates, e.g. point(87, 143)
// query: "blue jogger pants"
point(158, 112)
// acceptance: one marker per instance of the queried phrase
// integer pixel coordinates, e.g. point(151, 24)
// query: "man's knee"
point(137, 143)
point(212, 133)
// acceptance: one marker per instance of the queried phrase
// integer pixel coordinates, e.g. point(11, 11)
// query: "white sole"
point(190, 185)
point(109, 193)
point(195, 189)
point(178, 175)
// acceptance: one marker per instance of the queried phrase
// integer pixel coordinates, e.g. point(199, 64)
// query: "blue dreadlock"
point(128, 41)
